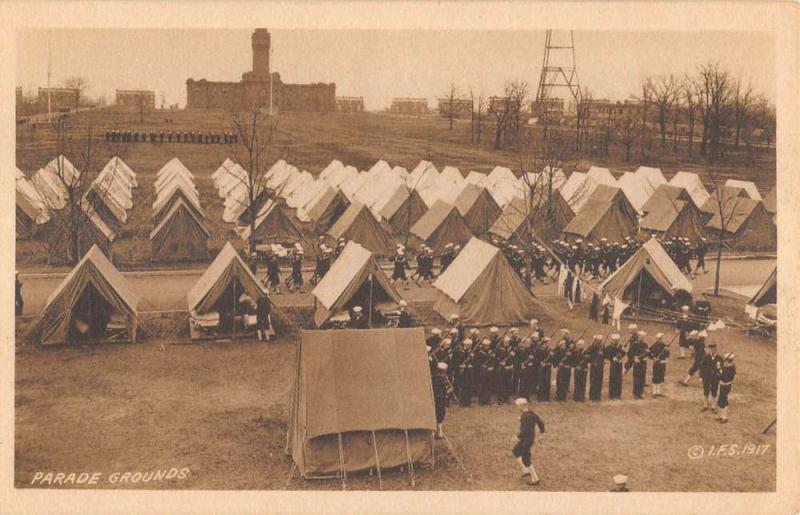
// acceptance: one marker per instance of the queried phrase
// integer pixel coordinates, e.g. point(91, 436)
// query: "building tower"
point(261, 45)
point(558, 69)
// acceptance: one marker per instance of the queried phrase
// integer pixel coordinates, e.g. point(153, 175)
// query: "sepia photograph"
point(275, 258)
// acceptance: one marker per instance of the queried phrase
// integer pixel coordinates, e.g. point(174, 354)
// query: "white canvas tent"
point(634, 188)
point(693, 185)
point(747, 186)
point(652, 177)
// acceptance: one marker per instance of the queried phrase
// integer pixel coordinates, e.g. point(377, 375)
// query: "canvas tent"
point(379, 418)
point(333, 167)
point(648, 277)
point(652, 178)
point(607, 214)
point(440, 225)
point(747, 186)
point(483, 289)
point(93, 302)
point(635, 189)
point(325, 209)
point(478, 179)
point(164, 203)
point(92, 231)
point(670, 213)
point(181, 235)
point(765, 296)
point(360, 225)
point(402, 209)
point(30, 208)
point(274, 225)
point(771, 200)
point(691, 183)
point(104, 203)
point(118, 169)
point(478, 208)
point(354, 279)
point(219, 289)
point(747, 224)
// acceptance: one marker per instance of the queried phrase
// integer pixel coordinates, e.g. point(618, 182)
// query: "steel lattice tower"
point(557, 75)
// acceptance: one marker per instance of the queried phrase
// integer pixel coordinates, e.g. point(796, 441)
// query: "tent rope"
point(341, 464)
point(377, 459)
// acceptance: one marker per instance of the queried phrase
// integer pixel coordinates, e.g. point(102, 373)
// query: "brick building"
point(350, 104)
point(462, 107)
point(260, 86)
point(602, 111)
point(136, 98)
point(59, 98)
point(550, 106)
point(409, 106)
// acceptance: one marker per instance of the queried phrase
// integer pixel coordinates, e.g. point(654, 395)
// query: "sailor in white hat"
point(441, 395)
point(525, 438)
point(659, 352)
point(726, 377)
point(620, 483)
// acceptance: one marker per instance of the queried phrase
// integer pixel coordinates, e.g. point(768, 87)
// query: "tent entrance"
point(235, 312)
point(645, 290)
point(371, 295)
point(90, 319)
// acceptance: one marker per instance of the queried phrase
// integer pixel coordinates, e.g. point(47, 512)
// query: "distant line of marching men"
point(170, 137)
point(501, 365)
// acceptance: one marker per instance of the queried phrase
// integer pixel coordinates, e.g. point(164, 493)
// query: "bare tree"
point(480, 113)
point(626, 130)
point(497, 108)
point(582, 114)
point(79, 84)
point(252, 148)
point(715, 92)
point(690, 98)
point(665, 92)
point(66, 192)
point(726, 206)
point(647, 95)
point(742, 103)
point(516, 94)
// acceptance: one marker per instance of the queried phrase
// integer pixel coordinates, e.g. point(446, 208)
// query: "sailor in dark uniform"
point(697, 345)
point(358, 320)
point(639, 352)
point(563, 368)
point(485, 367)
point(659, 352)
point(726, 377)
point(400, 264)
point(544, 356)
point(404, 318)
point(505, 368)
point(614, 354)
point(524, 357)
point(441, 395)
point(596, 363)
point(297, 270)
point(710, 371)
point(435, 338)
point(579, 359)
point(466, 375)
point(528, 422)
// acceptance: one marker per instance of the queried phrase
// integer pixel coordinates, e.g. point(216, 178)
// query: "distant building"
point(350, 104)
point(409, 106)
point(499, 104)
point(550, 106)
point(136, 98)
point(261, 87)
point(461, 107)
point(59, 98)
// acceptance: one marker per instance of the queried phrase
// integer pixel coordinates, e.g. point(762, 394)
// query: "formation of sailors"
point(197, 137)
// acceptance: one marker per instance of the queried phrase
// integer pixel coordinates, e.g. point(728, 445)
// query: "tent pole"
point(410, 461)
point(638, 296)
point(377, 459)
point(433, 451)
point(341, 464)
point(369, 321)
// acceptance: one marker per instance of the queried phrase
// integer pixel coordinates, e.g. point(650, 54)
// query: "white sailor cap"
point(620, 479)
point(633, 327)
point(486, 341)
point(659, 336)
point(427, 348)
point(615, 337)
point(513, 330)
point(641, 334)
point(534, 322)
point(441, 366)
point(493, 329)
point(474, 330)
point(521, 401)
point(403, 303)
point(467, 342)
point(453, 331)
point(436, 331)
point(693, 333)
point(357, 309)
point(453, 316)
point(684, 308)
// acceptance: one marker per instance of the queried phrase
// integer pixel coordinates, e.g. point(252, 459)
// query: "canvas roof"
point(500, 173)
point(601, 175)
point(179, 204)
point(95, 268)
point(666, 193)
point(603, 199)
point(303, 196)
point(748, 186)
point(691, 183)
point(573, 189)
point(482, 288)
point(117, 167)
point(768, 291)
point(771, 200)
point(107, 198)
point(503, 191)
point(663, 214)
point(653, 258)
point(298, 181)
point(477, 178)
point(735, 212)
point(651, 177)
point(171, 177)
point(358, 223)
point(223, 169)
point(634, 189)
point(280, 177)
point(284, 226)
point(68, 170)
point(32, 199)
point(176, 189)
point(512, 217)
point(172, 166)
point(393, 392)
point(49, 188)
point(117, 188)
point(347, 273)
point(332, 167)
point(91, 213)
point(452, 174)
point(346, 177)
point(379, 167)
point(227, 265)
point(386, 206)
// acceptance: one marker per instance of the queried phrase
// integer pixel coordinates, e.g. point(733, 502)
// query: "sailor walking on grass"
point(523, 450)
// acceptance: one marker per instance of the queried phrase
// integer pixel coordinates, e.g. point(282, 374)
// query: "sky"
point(380, 65)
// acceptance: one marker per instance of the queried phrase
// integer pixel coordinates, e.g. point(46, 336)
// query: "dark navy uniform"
point(528, 422)
point(596, 368)
point(659, 352)
point(544, 356)
point(614, 354)
point(579, 359)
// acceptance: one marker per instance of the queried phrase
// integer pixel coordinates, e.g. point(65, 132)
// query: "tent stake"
point(377, 459)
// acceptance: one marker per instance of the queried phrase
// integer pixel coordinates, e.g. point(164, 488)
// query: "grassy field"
point(220, 410)
point(309, 141)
